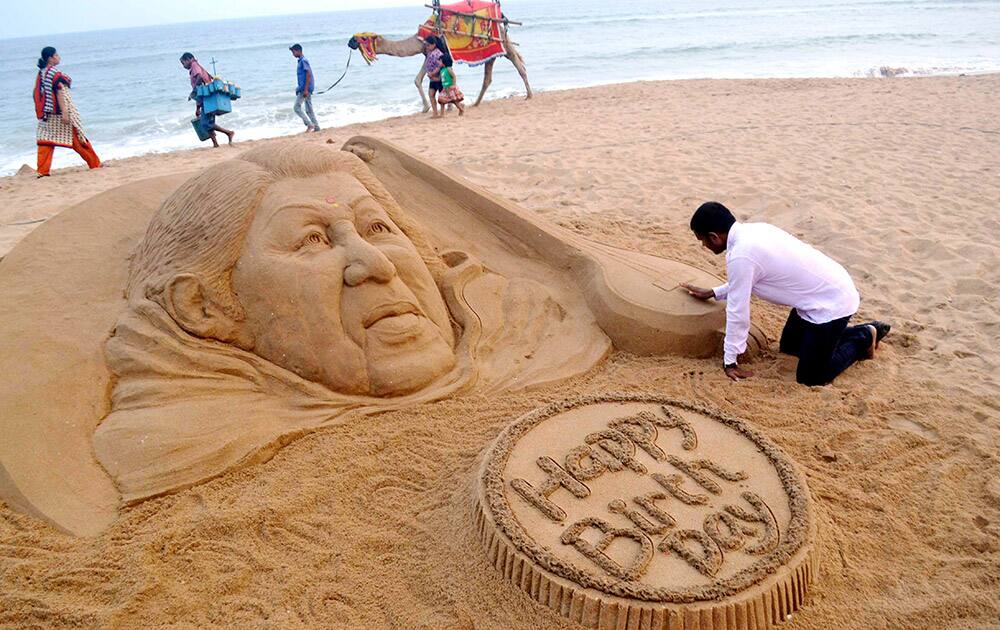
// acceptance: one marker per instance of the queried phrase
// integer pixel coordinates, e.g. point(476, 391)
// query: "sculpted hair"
point(712, 216)
point(201, 227)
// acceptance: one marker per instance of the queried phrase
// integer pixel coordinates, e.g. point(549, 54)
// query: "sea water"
point(132, 91)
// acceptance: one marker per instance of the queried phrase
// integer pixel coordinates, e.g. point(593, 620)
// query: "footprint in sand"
point(993, 491)
point(928, 247)
point(904, 424)
point(974, 286)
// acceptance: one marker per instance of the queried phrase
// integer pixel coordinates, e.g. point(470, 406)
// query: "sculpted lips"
point(389, 310)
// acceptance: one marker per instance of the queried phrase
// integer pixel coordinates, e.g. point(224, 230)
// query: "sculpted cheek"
point(414, 273)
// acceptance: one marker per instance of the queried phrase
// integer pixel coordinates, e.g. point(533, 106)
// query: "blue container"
point(217, 103)
point(203, 134)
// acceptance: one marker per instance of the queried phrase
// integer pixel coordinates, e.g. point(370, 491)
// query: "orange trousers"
point(86, 151)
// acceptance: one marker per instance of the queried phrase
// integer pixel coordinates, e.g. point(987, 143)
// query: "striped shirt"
point(47, 74)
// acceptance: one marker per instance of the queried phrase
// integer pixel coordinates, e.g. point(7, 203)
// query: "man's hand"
point(737, 373)
point(698, 292)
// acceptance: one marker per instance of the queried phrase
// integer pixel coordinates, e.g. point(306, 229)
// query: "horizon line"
point(182, 22)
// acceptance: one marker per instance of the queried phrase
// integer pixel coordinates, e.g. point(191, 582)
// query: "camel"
point(414, 45)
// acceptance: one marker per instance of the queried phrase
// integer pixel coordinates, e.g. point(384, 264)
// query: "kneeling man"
point(774, 265)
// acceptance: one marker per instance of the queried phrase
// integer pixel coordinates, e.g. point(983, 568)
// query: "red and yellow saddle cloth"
point(472, 28)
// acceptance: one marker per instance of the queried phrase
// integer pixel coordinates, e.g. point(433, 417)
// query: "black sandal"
point(881, 330)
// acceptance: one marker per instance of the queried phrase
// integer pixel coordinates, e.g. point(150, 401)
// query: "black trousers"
point(824, 350)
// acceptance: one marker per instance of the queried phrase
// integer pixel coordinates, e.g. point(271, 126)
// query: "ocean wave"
point(177, 134)
point(571, 19)
point(781, 44)
point(889, 72)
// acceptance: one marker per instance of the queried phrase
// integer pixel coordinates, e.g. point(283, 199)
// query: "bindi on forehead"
point(325, 190)
point(350, 201)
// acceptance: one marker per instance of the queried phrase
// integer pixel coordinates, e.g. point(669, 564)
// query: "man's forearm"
point(737, 294)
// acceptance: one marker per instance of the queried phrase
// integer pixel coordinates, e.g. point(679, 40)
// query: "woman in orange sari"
point(59, 122)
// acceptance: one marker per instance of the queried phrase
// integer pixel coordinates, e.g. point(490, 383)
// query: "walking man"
point(200, 76)
point(304, 91)
point(774, 265)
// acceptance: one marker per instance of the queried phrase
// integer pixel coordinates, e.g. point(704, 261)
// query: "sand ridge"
point(368, 524)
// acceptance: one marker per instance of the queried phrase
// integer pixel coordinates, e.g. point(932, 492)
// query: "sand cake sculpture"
point(174, 329)
point(643, 512)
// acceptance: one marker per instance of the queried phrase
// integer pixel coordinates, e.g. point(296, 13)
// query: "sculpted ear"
point(190, 305)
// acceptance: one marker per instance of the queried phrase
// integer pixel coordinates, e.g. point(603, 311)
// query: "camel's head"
point(367, 43)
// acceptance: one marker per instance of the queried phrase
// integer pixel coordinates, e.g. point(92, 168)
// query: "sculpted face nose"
point(366, 262)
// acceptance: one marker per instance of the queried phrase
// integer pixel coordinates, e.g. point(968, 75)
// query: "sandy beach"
point(367, 524)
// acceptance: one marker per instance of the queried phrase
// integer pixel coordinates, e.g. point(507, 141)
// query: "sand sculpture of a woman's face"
point(334, 291)
point(275, 293)
point(325, 285)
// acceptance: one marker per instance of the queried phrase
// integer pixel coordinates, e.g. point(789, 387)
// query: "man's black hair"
point(186, 56)
point(447, 60)
point(295, 47)
point(712, 216)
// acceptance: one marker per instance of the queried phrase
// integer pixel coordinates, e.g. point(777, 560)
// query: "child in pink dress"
point(450, 94)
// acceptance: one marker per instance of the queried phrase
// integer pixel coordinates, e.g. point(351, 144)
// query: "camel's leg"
point(487, 79)
point(420, 88)
point(515, 58)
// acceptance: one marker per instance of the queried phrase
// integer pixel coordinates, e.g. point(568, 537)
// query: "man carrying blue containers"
point(305, 89)
point(204, 123)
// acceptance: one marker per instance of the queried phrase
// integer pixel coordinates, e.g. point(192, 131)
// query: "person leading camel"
point(766, 261)
point(306, 86)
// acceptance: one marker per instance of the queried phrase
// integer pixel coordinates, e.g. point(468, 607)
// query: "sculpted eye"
point(378, 227)
point(314, 238)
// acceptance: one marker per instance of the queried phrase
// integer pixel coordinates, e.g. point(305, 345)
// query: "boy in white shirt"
point(770, 263)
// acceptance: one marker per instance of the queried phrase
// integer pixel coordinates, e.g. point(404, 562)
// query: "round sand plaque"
point(626, 511)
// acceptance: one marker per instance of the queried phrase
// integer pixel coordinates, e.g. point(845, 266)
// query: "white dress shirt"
point(774, 265)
